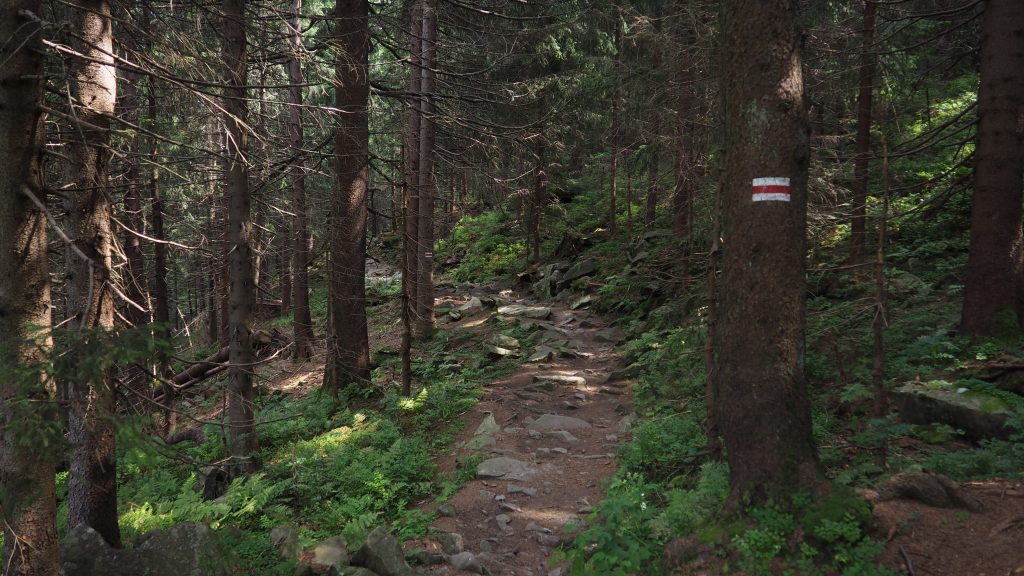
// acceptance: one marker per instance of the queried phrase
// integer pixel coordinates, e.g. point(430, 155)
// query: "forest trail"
point(549, 433)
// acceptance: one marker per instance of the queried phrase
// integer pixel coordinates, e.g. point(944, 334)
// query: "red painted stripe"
point(773, 189)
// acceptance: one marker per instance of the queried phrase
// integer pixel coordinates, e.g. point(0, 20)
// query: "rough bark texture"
point(760, 398)
point(862, 157)
point(299, 293)
point(427, 185)
point(92, 486)
point(129, 105)
point(161, 302)
point(241, 287)
point(27, 499)
point(993, 303)
point(410, 200)
point(349, 353)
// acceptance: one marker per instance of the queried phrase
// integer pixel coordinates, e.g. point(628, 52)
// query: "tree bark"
point(651, 204)
point(427, 184)
point(303, 321)
point(761, 404)
point(862, 156)
point(92, 486)
point(26, 467)
point(994, 289)
point(161, 298)
point(410, 203)
point(349, 353)
point(242, 439)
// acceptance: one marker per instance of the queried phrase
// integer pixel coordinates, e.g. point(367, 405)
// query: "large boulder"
point(382, 554)
point(188, 549)
point(979, 415)
point(582, 268)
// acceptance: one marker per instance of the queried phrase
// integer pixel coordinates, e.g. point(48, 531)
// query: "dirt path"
point(549, 433)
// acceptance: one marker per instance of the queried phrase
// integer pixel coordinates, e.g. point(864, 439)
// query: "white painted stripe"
point(771, 181)
point(771, 197)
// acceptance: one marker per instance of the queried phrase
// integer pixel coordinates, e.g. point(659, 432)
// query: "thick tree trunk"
point(161, 298)
point(349, 350)
point(242, 439)
point(760, 397)
point(862, 157)
point(427, 184)
point(26, 464)
point(303, 322)
point(994, 288)
point(92, 487)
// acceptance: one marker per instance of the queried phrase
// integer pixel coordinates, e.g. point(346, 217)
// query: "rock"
point(978, 415)
point(513, 489)
point(582, 301)
point(466, 561)
point(505, 468)
point(543, 354)
point(285, 539)
point(189, 549)
point(426, 558)
point(331, 553)
point(561, 379)
point(931, 489)
point(611, 438)
point(563, 435)
point(504, 341)
point(535, 312)
point(451, 542)
point(627, 373)
point(383, 554)
point(485, 435)
point(583, 268)
point(504, 522)
point(455, 315)
point(556, 422)
point(534, 527)
point(354, 571)
point(473, 306)
point(487, 495)
point(498, 351)
point(79, 550)
point(610, 335)
point(446, 510)
point(625, 424)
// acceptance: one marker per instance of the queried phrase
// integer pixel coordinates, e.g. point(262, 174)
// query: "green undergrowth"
point(325, 469)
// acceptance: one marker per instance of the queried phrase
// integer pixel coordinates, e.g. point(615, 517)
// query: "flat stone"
point(543, 354)
point(561, 379)
point(534, 527)
point(466, 561)
point(504, 341)
point(474, 306)
point(513, 489)
point(582, 268)
point(505, 468)
point(535, 312)
point(978, 415)
point(563, 435)
point(548, 422)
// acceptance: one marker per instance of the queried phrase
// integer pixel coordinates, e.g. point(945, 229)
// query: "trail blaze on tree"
point(760, 397)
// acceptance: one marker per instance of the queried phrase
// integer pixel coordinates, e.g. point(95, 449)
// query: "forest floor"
point(556, 425)
point(924, 540)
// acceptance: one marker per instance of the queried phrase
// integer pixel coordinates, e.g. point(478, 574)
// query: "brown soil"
point(950, 542)
point(566, 484)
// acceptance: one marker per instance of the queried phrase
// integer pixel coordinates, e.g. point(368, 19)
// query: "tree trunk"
point(26, 464)
point(540, 193)
point(92, 487)
point(135, 278)
point(410, 203)
point(994, 289)
point(241, 288)
point(427, 184)
point(760, 397)
point(303, 321)
point(349, 350)
point(161, 303)
point(651, 205)
point(862, 157)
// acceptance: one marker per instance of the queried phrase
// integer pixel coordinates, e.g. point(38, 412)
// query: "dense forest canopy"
point(254, 258)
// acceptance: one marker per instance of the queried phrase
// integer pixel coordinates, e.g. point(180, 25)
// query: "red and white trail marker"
point(771, 190)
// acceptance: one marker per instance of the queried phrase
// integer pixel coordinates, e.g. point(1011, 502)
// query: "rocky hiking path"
point(548, 434)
